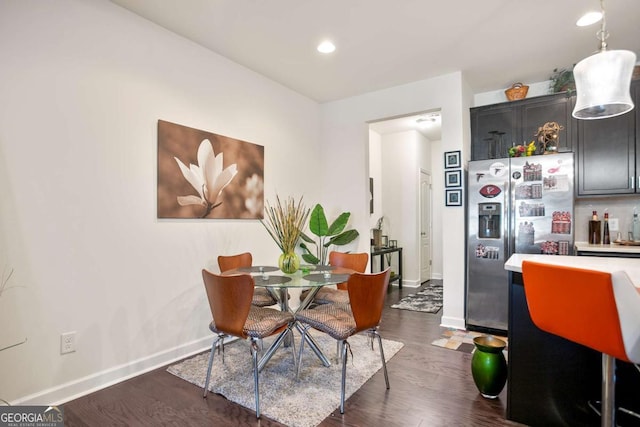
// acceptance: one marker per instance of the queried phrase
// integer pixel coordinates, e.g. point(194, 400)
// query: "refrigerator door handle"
point(631, 181)
point(508, 223)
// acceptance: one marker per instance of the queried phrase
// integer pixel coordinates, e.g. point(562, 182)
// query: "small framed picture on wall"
point(453, 197)
point(453, 178)
point(452, 159)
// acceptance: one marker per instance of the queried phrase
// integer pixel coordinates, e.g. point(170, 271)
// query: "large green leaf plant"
point(327, 235)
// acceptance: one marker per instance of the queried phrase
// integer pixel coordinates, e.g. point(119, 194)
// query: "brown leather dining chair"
point(353, 261)
point(233, 315)
point(341, 321)
point(261, 297)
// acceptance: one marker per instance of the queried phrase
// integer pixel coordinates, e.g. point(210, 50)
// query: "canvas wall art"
point(206, 175)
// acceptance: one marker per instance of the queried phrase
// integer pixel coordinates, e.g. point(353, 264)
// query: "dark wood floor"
point(430, 386)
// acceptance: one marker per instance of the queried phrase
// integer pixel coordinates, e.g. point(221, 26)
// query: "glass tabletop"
point(271, 280)
point(313, 267)
point(258, 269)
point(297, 279)
point(326, 279)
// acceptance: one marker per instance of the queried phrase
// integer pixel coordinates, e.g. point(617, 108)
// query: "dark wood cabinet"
point(553, 108)
point(492, 131)
point(495, 128)
point(551, 379)
point(607, 150)
point(607, 154)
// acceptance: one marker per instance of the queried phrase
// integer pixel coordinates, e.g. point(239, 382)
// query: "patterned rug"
point(305, 402)
point(428, 300)
point(459, 340)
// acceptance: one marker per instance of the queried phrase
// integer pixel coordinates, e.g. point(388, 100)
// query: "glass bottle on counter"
point(606, 238)
point(635, 227)
point(594, 229)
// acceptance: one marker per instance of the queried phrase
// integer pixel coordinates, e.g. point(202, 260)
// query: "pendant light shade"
point(602, 84)
point(603, 80)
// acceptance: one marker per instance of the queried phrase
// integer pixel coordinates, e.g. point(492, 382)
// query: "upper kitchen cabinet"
point(607, 161)
point(495, 128)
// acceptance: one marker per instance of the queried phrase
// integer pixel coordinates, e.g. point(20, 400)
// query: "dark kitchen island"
point(551, 380)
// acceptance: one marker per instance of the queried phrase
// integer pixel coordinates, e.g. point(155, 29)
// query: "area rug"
point(428, 300)
point(460, 340)
point(305, 402)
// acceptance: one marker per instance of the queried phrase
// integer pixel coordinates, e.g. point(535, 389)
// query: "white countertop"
point(630, 265)
point(613, 247)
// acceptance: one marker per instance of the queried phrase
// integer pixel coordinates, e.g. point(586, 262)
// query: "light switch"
point(613, 224)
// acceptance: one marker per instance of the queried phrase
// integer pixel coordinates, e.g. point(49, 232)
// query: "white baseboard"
point(453, 322)
point(408, 283)
point(91, 383)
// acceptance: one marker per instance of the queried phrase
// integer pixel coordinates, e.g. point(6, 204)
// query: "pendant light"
point(603, 81)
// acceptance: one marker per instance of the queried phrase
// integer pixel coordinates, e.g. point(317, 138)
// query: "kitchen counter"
point(630, 265)
point(551, 379)
point(613, 248)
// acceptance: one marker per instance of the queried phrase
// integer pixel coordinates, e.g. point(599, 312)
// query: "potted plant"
point(284, 224)
point(377, 233)
point(562, 80)
point(334, 234)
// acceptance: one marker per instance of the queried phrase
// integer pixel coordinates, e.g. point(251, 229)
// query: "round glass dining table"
point(278, 284)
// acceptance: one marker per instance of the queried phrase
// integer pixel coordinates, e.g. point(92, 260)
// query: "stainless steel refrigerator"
point(514, 205)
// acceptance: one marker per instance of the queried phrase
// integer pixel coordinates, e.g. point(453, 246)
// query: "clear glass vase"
point(289, 262)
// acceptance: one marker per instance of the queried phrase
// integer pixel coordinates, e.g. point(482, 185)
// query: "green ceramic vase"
point(289, 262)
point(488, 366)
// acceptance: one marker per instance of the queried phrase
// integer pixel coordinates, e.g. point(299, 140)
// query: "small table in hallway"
point(381, 252)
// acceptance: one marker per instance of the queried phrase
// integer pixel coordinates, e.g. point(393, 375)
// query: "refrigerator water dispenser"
point(489, 220)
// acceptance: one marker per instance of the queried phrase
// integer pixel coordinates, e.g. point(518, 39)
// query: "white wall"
point(498, 96)
point(437, 200)
point(620, 208)
point(344, 138)
point(404, 154)
point(375, 172)
point(83, 84)
point(400, 153)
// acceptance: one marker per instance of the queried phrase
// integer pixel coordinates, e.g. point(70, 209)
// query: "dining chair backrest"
point(230, 262)
point(366, 296)
point(576, 304)
point(354, 261)
point(229, 300)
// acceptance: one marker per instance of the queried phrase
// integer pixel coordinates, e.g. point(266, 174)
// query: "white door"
point(425, 226)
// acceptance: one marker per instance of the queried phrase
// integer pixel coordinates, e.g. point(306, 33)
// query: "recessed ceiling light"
point(431, 117)
point(428, 120)
point(589, 18)
point(326, 47)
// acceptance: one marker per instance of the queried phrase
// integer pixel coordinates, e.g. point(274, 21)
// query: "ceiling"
point(428, 124)
point(386, 43)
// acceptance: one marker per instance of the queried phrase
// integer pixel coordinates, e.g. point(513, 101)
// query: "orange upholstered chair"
point(597, 309)
point(261, 297)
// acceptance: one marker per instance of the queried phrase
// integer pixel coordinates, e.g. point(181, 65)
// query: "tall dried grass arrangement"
point(285, 223)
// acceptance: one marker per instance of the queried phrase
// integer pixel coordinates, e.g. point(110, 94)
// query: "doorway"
point(425, 226)
point(404, 163)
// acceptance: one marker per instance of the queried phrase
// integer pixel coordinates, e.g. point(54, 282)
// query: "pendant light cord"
point(603, 35)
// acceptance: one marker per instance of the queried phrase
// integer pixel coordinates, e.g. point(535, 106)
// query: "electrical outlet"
point(67, 342)
point(613, 224)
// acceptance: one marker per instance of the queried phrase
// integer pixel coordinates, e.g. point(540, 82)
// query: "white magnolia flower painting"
point(206, 175)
